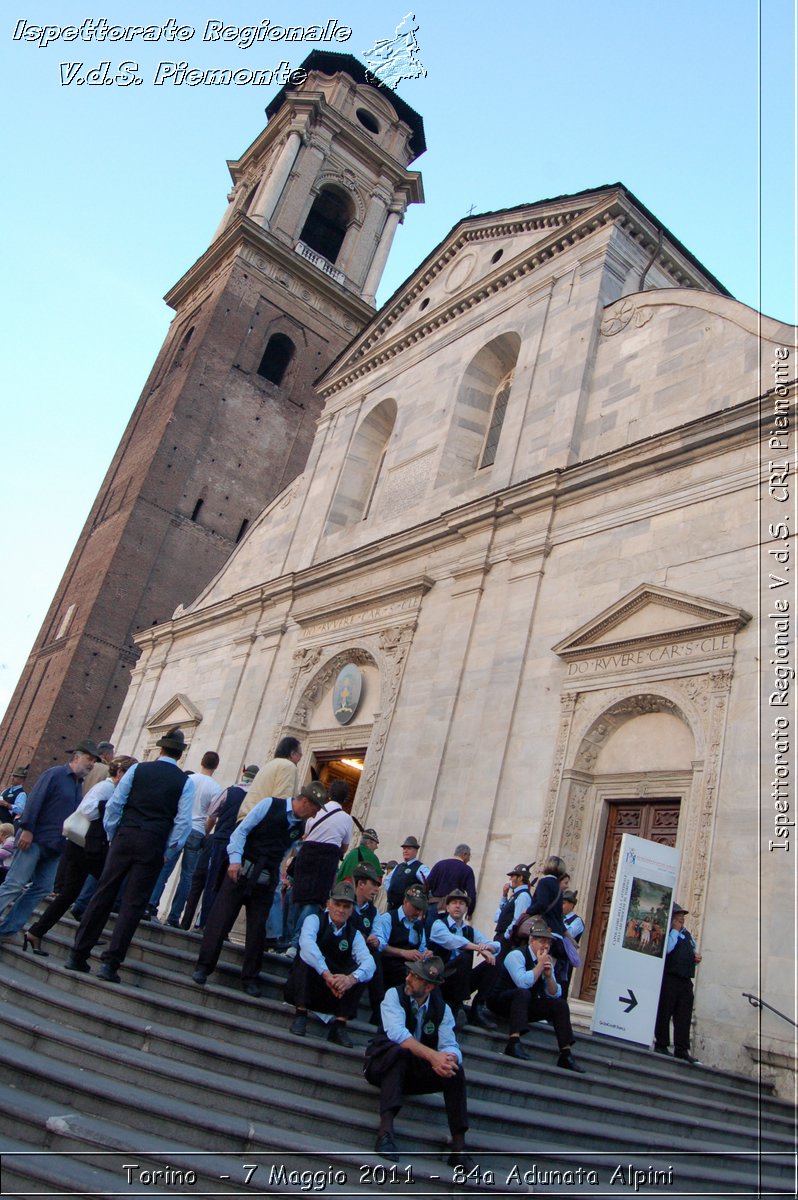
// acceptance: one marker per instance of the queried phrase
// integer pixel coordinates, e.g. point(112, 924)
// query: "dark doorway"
point(656, 820)
point(341, 764)
point(326, 224)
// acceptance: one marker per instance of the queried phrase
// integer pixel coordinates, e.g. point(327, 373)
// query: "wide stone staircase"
point(158, 1087)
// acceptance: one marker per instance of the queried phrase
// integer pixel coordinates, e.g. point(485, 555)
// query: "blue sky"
point(112, 192)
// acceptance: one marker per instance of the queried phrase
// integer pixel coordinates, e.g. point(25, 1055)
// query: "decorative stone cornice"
point(565, 228)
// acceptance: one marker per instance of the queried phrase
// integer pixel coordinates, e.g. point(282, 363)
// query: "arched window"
point(276, 358)
point(480, 407)
point(357, 487)
point(496, 421)
point(327, 222)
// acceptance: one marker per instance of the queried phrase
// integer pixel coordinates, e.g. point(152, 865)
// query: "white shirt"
point(335, 831)
point(310, 953)
point(90, 804)
point(206, 790)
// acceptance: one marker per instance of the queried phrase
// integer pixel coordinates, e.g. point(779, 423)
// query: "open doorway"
point(347, 765)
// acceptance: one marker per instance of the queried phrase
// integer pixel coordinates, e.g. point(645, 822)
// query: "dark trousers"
point(459, 985)
point(197, 887)
point(232, 897)
point(523, 1008)
point(305, 988)
point(675, 1004)
point(398, 1073)
point(214, 877)
point(135, 857)
point(76, 866)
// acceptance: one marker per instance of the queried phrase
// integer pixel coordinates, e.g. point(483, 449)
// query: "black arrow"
point(630, 1000)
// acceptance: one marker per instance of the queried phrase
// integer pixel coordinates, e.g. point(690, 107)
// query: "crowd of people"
point(103, 833)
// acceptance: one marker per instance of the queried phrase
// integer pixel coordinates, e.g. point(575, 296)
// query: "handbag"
point(76, 826)
point(572, 951)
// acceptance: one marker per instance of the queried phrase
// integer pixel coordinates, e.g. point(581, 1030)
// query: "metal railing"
point(755, 1002)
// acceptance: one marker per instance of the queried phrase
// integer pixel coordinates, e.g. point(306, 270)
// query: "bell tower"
point(227, 415)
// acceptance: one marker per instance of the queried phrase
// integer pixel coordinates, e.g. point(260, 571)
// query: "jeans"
point(296, 917)
point(191, 853)
point(87, 891)
point(36, 867)
point(161, 881)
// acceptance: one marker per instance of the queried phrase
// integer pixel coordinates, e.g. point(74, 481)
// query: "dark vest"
point(96, 844)
point(467, 932)
point(337, 951)
point(436, 1006)
point(404, 876)
point(681, 960)
point(506, 912)
point(154, 798)
point(365, 920)
point(505, 982)
point(226, 818)
point(568, 922)
point(400, 934)
point(268, 841)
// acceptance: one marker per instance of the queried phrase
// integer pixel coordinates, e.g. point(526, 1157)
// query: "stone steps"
point(199, 1077)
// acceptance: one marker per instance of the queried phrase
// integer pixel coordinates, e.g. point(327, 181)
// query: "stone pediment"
point(177, 711)
point(650, 616)
point(486, 253)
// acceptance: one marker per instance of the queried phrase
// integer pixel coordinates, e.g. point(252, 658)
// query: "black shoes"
point(686, 1056)
point(200, 976)
point(77, 964)
point(460, 1020)
point(386, 1146)
point(252, 989)
point(35, 943)
point(299, 1025)
point(109, 974)
point(568, 1063)
point(461, 1159)
point(480, 1015)
point(338, 1034)
point(514, 1049)
point(662, 1050)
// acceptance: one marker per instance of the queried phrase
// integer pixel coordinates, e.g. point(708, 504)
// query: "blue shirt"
point(393, 1022)
point(235, 847)
point(54, 797)
point(382, 929)
point(442, 934)
point(516, 969)
point(310, 953)
point(178, 835)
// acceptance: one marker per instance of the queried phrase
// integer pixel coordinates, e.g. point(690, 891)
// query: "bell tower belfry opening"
point(227, 416)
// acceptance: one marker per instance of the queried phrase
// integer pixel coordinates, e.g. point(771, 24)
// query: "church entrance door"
point(328, 765)
point(656, 820)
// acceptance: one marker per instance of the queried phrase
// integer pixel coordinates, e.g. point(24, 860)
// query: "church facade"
point(527, 533)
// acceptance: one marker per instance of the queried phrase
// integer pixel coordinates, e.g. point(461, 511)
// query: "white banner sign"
point(637, 937)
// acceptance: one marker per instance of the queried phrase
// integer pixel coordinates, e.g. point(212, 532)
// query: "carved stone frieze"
point(623, 314)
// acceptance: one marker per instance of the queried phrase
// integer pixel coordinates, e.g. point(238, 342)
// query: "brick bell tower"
point(227, 415)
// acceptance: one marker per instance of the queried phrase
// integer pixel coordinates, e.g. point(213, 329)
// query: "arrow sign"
point(630, 1001)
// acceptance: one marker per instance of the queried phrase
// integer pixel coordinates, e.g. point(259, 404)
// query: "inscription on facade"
point(671, 652)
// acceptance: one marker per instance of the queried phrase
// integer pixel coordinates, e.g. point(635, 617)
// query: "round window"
point(367, 121)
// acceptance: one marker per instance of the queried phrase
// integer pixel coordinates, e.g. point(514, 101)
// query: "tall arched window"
point(276, 358)
point(479, 410)
point(327, 222)
point(357, 487)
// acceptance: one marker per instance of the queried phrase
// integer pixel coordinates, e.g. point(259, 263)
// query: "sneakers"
point(338, 1034)
point(200, 976)
point(514, 1049)
point(299, 1025)
point(109, 974)
point(77, 964)
point(290, 952)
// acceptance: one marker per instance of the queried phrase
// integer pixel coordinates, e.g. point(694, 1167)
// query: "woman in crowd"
point(81, 861)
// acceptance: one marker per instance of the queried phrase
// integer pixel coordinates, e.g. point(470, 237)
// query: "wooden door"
point(656, 820)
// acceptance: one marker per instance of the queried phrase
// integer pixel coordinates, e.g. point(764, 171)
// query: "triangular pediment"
point(648, 615)
point(484, 251)
point(177, 711)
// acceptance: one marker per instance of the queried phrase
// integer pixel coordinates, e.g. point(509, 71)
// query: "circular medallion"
point(429, 1027)
point(343, 945)
point(346, 693)
point(366, 923)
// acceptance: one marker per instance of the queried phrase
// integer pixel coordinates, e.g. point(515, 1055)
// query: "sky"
point(113, 191)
